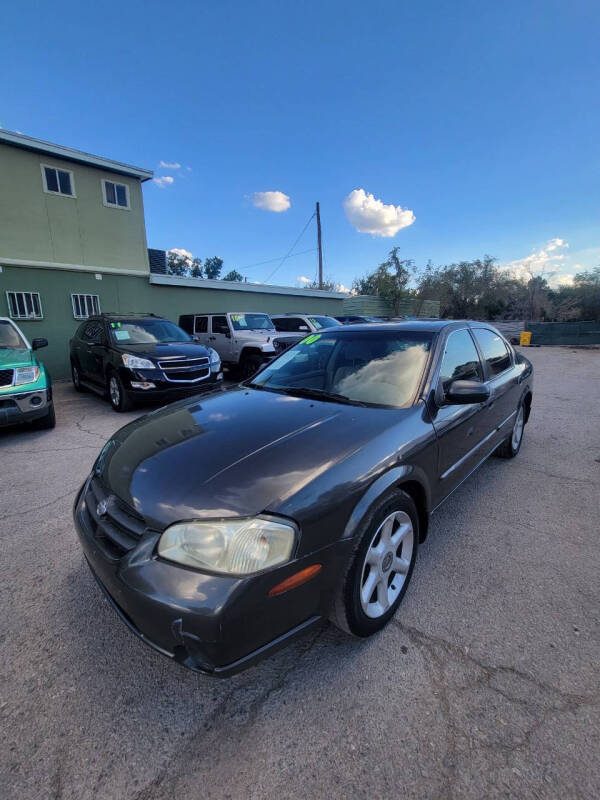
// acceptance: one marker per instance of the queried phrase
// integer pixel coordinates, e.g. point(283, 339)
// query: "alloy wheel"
point(517, 433)
point(75, 374)
point(115, 394)
point(386, 565)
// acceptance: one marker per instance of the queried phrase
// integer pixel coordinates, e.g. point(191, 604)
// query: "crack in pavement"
point(162, 785)
point(29, 509)
point(440, 652)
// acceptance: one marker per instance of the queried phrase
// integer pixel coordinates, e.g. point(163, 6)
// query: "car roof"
point(302, 314)
point(422, 325)
point(222, 313)
point(125, 315)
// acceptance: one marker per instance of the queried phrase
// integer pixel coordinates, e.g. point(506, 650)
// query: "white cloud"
point(547, 261)
point(271, 201)
point(342, 288)
point(369, 215)
point(561, 280)
point(179, 251)
point(303, 279)
point(170, 165)
point(164, 180)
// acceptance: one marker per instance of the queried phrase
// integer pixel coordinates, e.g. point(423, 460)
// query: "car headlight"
point(135, 362)
point(267, 348)
point(215, 360)
point(234, 546)
point(26, 375)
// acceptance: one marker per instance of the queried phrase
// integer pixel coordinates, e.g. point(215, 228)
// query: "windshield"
point(364, 367)
point(10, 338)
point(147, 331)
point(252, 322)
point(324, 322)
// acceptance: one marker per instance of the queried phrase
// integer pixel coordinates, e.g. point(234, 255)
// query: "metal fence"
point(579, 333)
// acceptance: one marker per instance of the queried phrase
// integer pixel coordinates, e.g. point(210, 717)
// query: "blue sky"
point(481, 118)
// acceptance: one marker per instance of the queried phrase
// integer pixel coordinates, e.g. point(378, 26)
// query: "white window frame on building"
point(30, 305)
point(85, 305)
point(116, 204)
point(68, 172)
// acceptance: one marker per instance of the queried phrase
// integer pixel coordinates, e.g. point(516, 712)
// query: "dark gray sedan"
point(222, 526)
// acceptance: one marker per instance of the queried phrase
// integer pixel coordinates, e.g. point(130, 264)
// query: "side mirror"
point(37, 343)
point(467, 392)
point(228, 335)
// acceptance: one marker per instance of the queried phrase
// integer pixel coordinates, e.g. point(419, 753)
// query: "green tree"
point(328, 285)
point(234, 275)
point(196, 270)
point(178, 264)
point(212, 268)
point(389, 280)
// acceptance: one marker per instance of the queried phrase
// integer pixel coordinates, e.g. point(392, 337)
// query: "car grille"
point(185, 370)
point(6, 377)
point(282, 344)
point(119, 529)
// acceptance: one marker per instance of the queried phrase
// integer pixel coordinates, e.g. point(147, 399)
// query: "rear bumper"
point(27, 406)
point(214, 624)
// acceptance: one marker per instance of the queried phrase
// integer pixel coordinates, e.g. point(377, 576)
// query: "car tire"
point(512, 444)
point(372, 589)
point(118, 396)
point(249, 366)
point(46, 422)
point(76, 377)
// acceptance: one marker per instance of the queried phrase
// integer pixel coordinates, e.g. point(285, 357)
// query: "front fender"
point(392, 479)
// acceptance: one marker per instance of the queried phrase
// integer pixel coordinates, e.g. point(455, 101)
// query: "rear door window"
point(219, 325)
point(200, 324)
point(93, 332)
point(495, 352)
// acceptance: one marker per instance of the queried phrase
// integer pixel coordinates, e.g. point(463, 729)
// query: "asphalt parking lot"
point(485, 685)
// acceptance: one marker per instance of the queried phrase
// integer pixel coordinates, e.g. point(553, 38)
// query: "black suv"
point(140, 357)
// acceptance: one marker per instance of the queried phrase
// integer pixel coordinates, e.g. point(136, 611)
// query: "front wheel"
point(512, 444)
point(76, 377)
point(250, 366)
point(46, 422)
point(381, 569)
point(117, 394)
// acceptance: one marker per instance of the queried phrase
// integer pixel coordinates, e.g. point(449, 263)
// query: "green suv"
point(25, 386)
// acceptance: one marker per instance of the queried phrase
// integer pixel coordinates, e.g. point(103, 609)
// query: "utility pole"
point(320, 248)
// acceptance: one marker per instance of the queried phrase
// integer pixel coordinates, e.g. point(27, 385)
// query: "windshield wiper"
point(318, 394)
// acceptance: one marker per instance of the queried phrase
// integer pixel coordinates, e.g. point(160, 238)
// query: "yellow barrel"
point(525, 338)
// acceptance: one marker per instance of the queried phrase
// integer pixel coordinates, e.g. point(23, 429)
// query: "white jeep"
point(244, 340)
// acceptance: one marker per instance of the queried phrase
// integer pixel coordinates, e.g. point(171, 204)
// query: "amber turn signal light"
point(297, 579)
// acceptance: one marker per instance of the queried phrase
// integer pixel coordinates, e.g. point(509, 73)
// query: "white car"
point(303, 323)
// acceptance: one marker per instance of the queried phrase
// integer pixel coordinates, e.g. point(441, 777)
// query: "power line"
point(289, 252)
point(272, 260)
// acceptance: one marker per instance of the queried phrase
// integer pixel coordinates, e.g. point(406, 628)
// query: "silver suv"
point(303, 323)
point(244, 339)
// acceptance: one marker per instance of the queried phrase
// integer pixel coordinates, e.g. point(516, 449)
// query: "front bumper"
point(214, 624)
point(25, 406)
point(164, 390)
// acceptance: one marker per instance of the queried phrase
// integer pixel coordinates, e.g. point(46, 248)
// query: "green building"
point(73, 242)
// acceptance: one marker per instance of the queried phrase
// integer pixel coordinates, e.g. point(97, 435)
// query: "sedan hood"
point(232, 453)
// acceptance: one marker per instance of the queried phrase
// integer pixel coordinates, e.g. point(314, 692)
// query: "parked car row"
point(132, 358)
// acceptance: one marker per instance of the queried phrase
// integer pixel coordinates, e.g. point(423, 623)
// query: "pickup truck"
point(25, 385)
